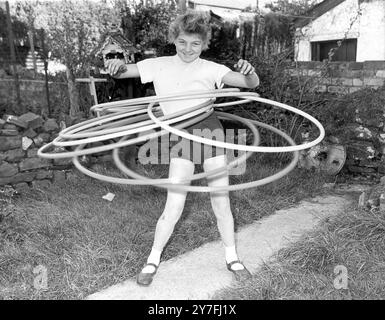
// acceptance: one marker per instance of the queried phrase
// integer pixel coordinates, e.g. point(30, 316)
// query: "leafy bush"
point(147, 25)
point(366, 106)
point(224, 44)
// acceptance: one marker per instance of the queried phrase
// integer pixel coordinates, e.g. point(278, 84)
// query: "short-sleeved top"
point(171, 75)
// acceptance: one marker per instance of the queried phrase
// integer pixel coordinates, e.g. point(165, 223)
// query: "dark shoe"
point(240, 275)
point(145, 279)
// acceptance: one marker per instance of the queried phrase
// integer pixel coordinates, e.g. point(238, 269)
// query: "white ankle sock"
point(154, 258)
point(231, 255)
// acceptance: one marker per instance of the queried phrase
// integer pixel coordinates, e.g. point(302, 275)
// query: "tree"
point(73, 29)
point(291, 8)
point(273, 32)
point(147, 24)
point(20, 33)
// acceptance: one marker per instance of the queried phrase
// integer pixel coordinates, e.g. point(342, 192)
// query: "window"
point(346, 52)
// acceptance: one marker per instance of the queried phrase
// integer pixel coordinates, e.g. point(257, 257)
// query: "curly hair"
point(192, 22)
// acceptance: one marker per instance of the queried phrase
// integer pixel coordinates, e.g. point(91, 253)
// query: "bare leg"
point(220, 202)
point(179, 168)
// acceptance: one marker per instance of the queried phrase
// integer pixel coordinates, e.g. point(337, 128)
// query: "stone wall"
point(20, 139)
point(365, 146)
point(33, 95)
point(341, 77)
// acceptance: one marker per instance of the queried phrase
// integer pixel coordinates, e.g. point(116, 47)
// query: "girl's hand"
point(115, 66)
point(244, 67)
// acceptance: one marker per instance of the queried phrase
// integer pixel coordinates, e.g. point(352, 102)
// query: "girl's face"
point(188, 46)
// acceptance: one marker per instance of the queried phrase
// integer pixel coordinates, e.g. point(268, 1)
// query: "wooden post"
point(93, 89)
point(45, 57)
point(32, 45)
point(13, 57)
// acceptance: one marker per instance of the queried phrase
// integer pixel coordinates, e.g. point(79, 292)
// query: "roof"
point(115, 37)
point(227, 4)
point(317, 11)
point(215, 18)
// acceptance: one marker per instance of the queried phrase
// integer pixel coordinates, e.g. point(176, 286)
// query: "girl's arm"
point(245, 77)
point(119, 70)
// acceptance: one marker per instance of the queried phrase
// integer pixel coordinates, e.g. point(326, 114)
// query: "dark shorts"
point(210, 128)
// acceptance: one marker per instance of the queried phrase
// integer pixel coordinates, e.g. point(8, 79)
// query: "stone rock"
point(44, 174)
point(10, 126)
point(364, 170)
point(16, 121)
point(20, 177)
point(8, 143)
point(9, 132)
point(361, 150)
point(34, 163)
point(62, 162)
point(33, 120)
point(50, 125)
point(30, 133)
point(32, 153)
point(26, 143)
point(2, 123)
point(21, 187)
point(14, 155)
point(368, 163)
point(41, 139)
point(38, 141)
point(41, 184)
point(45, 136)
point(7, 170)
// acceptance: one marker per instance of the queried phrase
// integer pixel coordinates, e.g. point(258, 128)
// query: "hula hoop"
point(226, 145)
point(178, 186)
point(56, 142)
point(122, 119)
point(120, 165)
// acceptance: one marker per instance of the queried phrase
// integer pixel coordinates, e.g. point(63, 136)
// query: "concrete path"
point(198, 274)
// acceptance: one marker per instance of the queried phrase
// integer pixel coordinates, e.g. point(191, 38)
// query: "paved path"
point(198, 274)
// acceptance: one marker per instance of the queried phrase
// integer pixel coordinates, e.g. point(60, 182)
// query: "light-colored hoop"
point(122, 119)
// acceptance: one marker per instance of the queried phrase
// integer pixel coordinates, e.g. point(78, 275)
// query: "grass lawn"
point(87, 243)
point(354, 240)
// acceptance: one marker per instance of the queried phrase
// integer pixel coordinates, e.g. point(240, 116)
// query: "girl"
point(184, 72)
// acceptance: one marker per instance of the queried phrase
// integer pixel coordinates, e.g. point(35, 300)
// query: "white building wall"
point(342, 22)
point(371, 42)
